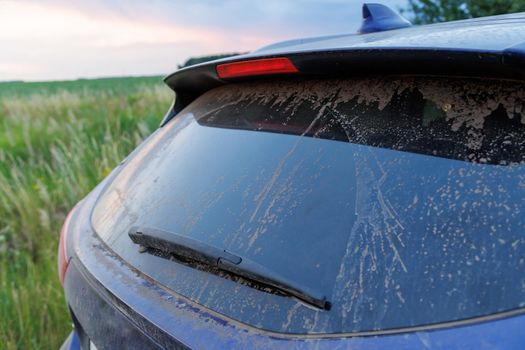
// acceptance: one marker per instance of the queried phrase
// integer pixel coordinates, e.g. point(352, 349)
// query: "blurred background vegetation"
point(433, 11)
point(58, 140)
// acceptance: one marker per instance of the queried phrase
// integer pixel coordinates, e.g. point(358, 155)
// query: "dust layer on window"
point(480, 121)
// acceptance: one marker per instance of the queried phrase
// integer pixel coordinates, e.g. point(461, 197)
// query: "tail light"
point(62, 248)
point(256, 67)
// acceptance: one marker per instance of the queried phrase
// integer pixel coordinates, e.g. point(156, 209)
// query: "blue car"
point(362, 191)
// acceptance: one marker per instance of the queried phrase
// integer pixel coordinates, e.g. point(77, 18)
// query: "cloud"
point(277, 18)
point(59, 39)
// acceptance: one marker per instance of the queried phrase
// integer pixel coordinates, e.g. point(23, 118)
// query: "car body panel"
point(118, 304)
point(118, 301)
point(495, 33)
point(72, 342)
point(486, 47)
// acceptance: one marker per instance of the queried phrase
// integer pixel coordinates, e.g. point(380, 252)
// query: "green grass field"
point(57, 141)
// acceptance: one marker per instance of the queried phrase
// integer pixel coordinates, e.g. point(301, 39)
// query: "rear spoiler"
point(191, 82)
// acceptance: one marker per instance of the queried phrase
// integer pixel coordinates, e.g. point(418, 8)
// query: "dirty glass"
point(399, 199)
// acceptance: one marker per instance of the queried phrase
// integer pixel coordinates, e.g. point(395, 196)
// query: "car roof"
point(482, 47)
point(494, 33)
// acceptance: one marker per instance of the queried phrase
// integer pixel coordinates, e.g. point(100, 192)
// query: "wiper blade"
point(210, 255)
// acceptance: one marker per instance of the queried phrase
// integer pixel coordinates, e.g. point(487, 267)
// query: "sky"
point(70, 39)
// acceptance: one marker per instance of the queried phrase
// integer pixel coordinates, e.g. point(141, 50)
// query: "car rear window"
point(400, 199)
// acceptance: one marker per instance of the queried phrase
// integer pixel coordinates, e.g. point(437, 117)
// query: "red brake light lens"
point(62, 250)
point(256, 67)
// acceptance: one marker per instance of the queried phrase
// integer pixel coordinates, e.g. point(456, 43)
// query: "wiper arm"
point(210, 255)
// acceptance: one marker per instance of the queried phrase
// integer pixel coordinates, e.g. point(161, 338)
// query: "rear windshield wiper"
point(210, 255)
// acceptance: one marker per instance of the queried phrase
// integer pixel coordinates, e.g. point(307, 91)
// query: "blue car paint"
point(489, 34)
point(380, 18)
point(72, 342)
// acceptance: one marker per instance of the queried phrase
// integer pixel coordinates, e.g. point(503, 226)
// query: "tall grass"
point(55, 145)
